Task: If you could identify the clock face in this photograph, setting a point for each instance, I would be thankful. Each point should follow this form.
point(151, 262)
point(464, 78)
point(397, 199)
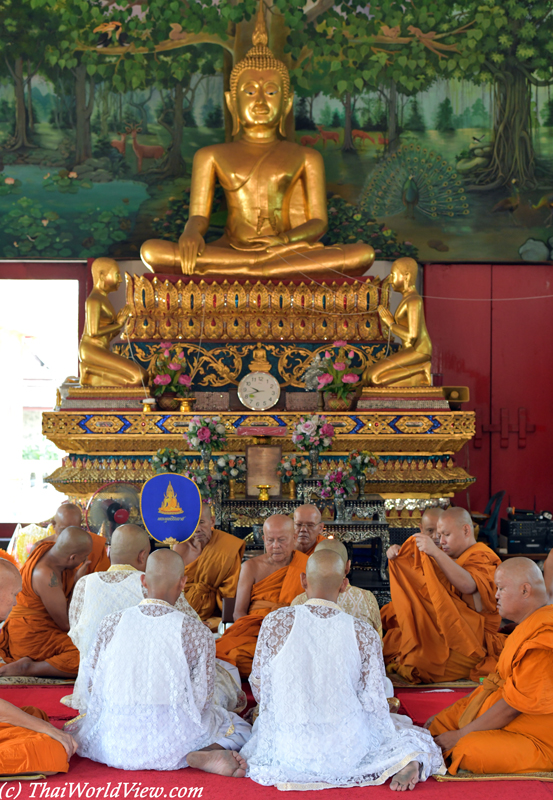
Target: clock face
point(259, 391)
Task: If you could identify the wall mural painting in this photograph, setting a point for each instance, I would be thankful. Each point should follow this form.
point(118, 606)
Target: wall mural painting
point(435, 120)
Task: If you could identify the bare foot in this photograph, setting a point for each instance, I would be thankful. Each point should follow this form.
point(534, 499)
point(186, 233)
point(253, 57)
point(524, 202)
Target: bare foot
point(19, 667)
point(220, 762)
point(406, 778)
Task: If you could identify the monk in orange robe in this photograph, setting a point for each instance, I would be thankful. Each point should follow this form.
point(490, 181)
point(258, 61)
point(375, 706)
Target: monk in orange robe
point(34, 640)
point(443, 624)
point(212, 560)
point(266, 582)
point(309, 528)
point(70, 515)
point(28, 743)
point(506, 724)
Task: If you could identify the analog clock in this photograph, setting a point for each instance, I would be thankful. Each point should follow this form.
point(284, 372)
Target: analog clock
point(258, 391)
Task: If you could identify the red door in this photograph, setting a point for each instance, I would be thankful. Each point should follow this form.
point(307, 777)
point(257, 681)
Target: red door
point(502, 349)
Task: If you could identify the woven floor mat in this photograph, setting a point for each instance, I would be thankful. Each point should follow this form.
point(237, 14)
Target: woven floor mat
point(461, 684)
point(21, 680)
point(462, 775)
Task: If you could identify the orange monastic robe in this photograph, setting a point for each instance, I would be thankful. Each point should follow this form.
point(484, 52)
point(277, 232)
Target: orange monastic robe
point(277, 590)
point(24, 751)
point(524, 679)
point(99, 559)
point(320, 538)
point(30, 630)
point(214, 574)
point(433, 633)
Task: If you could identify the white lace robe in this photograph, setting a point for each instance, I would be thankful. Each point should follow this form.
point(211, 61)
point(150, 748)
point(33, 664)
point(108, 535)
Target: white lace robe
point(102, 593)
point(318, 676)
point(149, 680)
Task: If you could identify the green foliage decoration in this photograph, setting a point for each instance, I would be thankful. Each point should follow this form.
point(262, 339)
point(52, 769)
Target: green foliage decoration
point(35, 231)
point(348, 223)
point(65, 182)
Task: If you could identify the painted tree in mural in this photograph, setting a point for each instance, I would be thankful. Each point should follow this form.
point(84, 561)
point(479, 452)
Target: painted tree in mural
point(24, 33)
point(511, 46)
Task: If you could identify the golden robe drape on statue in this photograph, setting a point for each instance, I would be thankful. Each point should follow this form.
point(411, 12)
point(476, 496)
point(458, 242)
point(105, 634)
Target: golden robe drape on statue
point(24, 751)
point(524, 679)
point(433, 633)
point(30, 630)
point(214, 574)
point(237, 645)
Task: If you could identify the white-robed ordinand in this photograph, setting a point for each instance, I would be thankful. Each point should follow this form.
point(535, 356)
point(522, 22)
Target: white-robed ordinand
point(149, 679)
point(324, 721)
point(102, 593)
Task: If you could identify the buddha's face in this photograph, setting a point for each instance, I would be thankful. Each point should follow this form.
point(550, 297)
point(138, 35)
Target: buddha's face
point(259, 98)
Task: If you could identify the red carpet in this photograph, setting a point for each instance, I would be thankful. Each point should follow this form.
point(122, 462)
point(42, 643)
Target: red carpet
point(87, 779)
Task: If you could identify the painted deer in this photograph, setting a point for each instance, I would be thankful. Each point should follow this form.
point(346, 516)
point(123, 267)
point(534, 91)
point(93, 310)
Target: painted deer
point(383, 140)
point(329, 136)
point(363, 135)
point(120, 144)
point(142, 151)
point(310, 141)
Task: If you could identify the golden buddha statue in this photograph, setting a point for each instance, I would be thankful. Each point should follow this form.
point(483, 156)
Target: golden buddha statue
point(259, 362)
point(410, 366)
point(275, 191)
point(170, 504)
point(98, 365)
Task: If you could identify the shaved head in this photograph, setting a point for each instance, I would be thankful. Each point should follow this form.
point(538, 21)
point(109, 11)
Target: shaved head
point(456, 531)
point(308, 525)
point(520, 589)
point(429, 523)
point(130, 544)
point(68, 515)
point(335, 546)
point(72, 541)
point(325, 574)
point(164, 577)
point(279, 537)
point(10, 586)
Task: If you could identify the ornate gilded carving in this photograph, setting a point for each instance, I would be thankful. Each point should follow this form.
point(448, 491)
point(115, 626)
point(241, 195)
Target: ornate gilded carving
point(189, 310)
point(219, 367)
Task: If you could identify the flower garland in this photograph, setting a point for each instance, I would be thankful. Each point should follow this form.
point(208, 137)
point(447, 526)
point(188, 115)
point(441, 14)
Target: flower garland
point(293, 469)
point(337, 482)
point(313, 433)
point(206, 433)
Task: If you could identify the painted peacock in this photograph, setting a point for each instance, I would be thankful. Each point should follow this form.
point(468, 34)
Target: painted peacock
point(414, 177)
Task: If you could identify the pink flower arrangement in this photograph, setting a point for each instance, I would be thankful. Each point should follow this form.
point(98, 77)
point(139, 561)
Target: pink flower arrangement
point(313, 433)
point(339, 376)
point(338, 482)
point(206, 433)
point(169, 372)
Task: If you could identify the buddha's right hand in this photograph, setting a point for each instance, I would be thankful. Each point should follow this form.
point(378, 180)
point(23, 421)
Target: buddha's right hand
point(191, 245)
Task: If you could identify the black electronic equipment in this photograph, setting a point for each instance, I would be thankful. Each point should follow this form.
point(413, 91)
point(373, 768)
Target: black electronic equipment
point(527, 534)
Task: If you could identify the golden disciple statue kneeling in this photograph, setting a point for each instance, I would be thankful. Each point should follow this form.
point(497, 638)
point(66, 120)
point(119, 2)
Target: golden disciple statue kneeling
point(275, 191)
point(98, 365)
point(410, 366)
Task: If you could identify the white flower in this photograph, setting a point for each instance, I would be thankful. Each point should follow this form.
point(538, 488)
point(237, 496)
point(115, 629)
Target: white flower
point(304, 471)
point(220, 428)
point(327, 441)
point(234, 472)
point(216, 419)
point(194, 441)
point(221, 462)
point(308, 427)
